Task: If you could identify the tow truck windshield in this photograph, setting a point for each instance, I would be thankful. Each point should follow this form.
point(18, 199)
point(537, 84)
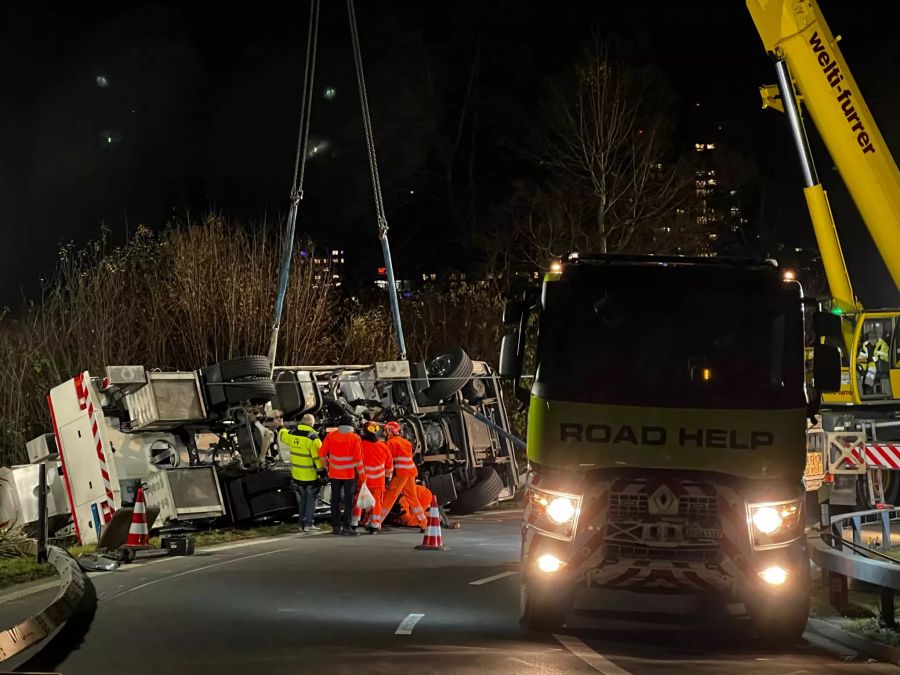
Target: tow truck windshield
point(685, 338)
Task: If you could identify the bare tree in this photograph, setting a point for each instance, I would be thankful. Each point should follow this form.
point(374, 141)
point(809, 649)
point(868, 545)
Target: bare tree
point(612, 182)
point(611, 141)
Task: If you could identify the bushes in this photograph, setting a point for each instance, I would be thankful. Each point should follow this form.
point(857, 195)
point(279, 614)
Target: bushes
point(190, 296)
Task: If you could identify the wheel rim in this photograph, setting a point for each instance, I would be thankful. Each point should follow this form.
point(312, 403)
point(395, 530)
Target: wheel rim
point(440, 367)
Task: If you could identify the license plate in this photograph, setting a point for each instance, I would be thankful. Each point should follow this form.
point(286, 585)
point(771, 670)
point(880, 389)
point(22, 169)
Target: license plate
point(702, 533)
point(815, 465)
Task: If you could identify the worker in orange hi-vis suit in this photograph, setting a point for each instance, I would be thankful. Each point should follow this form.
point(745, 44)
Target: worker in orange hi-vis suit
point(341, 452)
point(379, 465)
point(405, 517)
point(405, 472)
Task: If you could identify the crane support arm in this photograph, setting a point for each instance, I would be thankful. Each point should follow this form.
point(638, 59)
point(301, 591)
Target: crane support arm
point(796, 31)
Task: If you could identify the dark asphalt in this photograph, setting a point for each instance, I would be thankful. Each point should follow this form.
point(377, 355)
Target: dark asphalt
point(333, 604)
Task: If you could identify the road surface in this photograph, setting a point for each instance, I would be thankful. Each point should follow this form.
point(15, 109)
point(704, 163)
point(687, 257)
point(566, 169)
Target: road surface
point(374, 604)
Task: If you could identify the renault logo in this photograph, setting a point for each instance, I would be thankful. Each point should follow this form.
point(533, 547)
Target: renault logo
point(663, 502)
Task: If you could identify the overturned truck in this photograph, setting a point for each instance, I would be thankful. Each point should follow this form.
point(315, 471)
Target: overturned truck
point(202, 443)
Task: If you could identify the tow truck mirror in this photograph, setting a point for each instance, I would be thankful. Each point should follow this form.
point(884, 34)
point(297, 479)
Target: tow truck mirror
point(827, 325)
point(513, 311)
point(510, 359)
point(826, 369)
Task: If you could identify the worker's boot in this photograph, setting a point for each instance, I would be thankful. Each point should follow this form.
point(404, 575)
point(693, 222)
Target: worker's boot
point(372, 530)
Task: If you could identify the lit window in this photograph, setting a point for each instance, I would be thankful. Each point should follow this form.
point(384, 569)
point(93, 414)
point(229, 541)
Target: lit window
point(335, 253)
point(710, 146)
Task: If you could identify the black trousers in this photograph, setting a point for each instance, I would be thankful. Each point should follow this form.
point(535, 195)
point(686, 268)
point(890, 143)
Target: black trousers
point(345, 487)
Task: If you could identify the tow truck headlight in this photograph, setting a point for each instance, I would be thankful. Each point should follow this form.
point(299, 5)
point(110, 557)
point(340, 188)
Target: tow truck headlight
point(561, 510)
point(549, 564)
point(776, 523)
point(774, 575)
point(553, 513)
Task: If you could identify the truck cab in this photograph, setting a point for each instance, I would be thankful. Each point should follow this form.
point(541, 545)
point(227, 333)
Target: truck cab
point(665, 440)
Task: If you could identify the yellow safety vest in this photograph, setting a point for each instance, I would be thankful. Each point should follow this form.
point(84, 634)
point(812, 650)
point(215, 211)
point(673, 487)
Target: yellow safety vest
point(304, 444)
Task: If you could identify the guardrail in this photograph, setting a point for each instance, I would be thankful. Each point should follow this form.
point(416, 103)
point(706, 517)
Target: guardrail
point(76, 595)
point(842, 559)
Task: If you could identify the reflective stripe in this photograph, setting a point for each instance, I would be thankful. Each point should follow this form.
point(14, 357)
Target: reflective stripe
point(301, 456)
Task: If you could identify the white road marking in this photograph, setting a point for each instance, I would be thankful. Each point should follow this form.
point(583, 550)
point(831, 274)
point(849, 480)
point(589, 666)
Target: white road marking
point(406, 626)
point(589, 656)
point(487, 580)
point(196, 569)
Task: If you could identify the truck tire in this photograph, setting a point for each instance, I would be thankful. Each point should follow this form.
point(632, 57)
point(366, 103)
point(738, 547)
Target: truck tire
point(474, 391)
point(245, 366)
point(452, 370)
point(485, 491)
point(257, 391)
point(787, 628)
point(541, 611)
point(267, 481)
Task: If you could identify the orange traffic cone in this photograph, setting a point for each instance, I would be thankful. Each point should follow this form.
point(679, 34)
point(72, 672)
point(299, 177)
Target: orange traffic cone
point(432, 540)
point(139, 533)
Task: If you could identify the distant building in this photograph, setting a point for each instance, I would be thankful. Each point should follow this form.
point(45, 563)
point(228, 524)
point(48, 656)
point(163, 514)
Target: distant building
point(330, 268)
point(717, 205)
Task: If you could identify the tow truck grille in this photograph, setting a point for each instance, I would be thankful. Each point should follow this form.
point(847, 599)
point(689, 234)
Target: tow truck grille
point(681, 554)
point(645, 524)
point(628, 506)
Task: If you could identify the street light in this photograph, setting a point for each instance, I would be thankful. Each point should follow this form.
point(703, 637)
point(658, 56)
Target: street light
point(789, 275)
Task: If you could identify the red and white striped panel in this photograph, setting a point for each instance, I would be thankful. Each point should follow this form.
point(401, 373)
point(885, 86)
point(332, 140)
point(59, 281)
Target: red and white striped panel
point(85, 403)
point(883, 455)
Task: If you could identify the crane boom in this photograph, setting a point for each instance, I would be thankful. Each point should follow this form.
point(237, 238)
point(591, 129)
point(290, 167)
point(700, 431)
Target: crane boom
point(796, 31)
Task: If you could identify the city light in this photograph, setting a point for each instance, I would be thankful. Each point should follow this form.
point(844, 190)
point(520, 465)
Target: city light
point(556, 266)
point(789, 275)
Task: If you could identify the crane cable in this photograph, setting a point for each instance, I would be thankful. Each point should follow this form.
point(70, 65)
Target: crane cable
point(376, 181)
point(296, 195)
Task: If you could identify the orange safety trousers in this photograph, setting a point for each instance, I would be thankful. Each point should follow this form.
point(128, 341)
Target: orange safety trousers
point(405, 485)
point(372, 517)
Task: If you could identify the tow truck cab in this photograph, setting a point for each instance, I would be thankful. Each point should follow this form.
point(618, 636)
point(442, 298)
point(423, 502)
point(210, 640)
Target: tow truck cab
point(665, 441)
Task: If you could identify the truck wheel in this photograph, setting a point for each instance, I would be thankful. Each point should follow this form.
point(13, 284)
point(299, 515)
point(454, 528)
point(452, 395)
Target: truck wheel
point(451, 372)
point(786, 628)
point(256, 391)
point(474, 391)
point(541, 611)
point(245, 366)
point(485, 491)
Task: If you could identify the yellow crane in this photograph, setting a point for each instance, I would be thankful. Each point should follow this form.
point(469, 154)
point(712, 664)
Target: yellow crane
point(811, 70)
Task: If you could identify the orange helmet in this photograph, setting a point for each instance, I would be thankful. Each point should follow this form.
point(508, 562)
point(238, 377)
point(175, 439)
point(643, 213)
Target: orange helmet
point(392, 428)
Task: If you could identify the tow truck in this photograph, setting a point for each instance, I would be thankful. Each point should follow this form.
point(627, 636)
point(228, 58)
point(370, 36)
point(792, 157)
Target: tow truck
point(665, 442)
point(854, 448)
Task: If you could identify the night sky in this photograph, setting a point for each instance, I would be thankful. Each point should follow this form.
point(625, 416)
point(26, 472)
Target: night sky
point(138, 112)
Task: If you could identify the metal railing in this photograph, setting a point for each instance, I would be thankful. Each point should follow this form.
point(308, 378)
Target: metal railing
point(841, 559)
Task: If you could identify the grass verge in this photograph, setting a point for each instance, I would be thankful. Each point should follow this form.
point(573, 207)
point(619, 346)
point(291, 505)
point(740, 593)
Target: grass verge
point(20, 570)
point(861, 616)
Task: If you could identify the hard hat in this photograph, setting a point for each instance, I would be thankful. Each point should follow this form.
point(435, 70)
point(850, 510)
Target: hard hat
point(392, 427)
point(372, 427)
